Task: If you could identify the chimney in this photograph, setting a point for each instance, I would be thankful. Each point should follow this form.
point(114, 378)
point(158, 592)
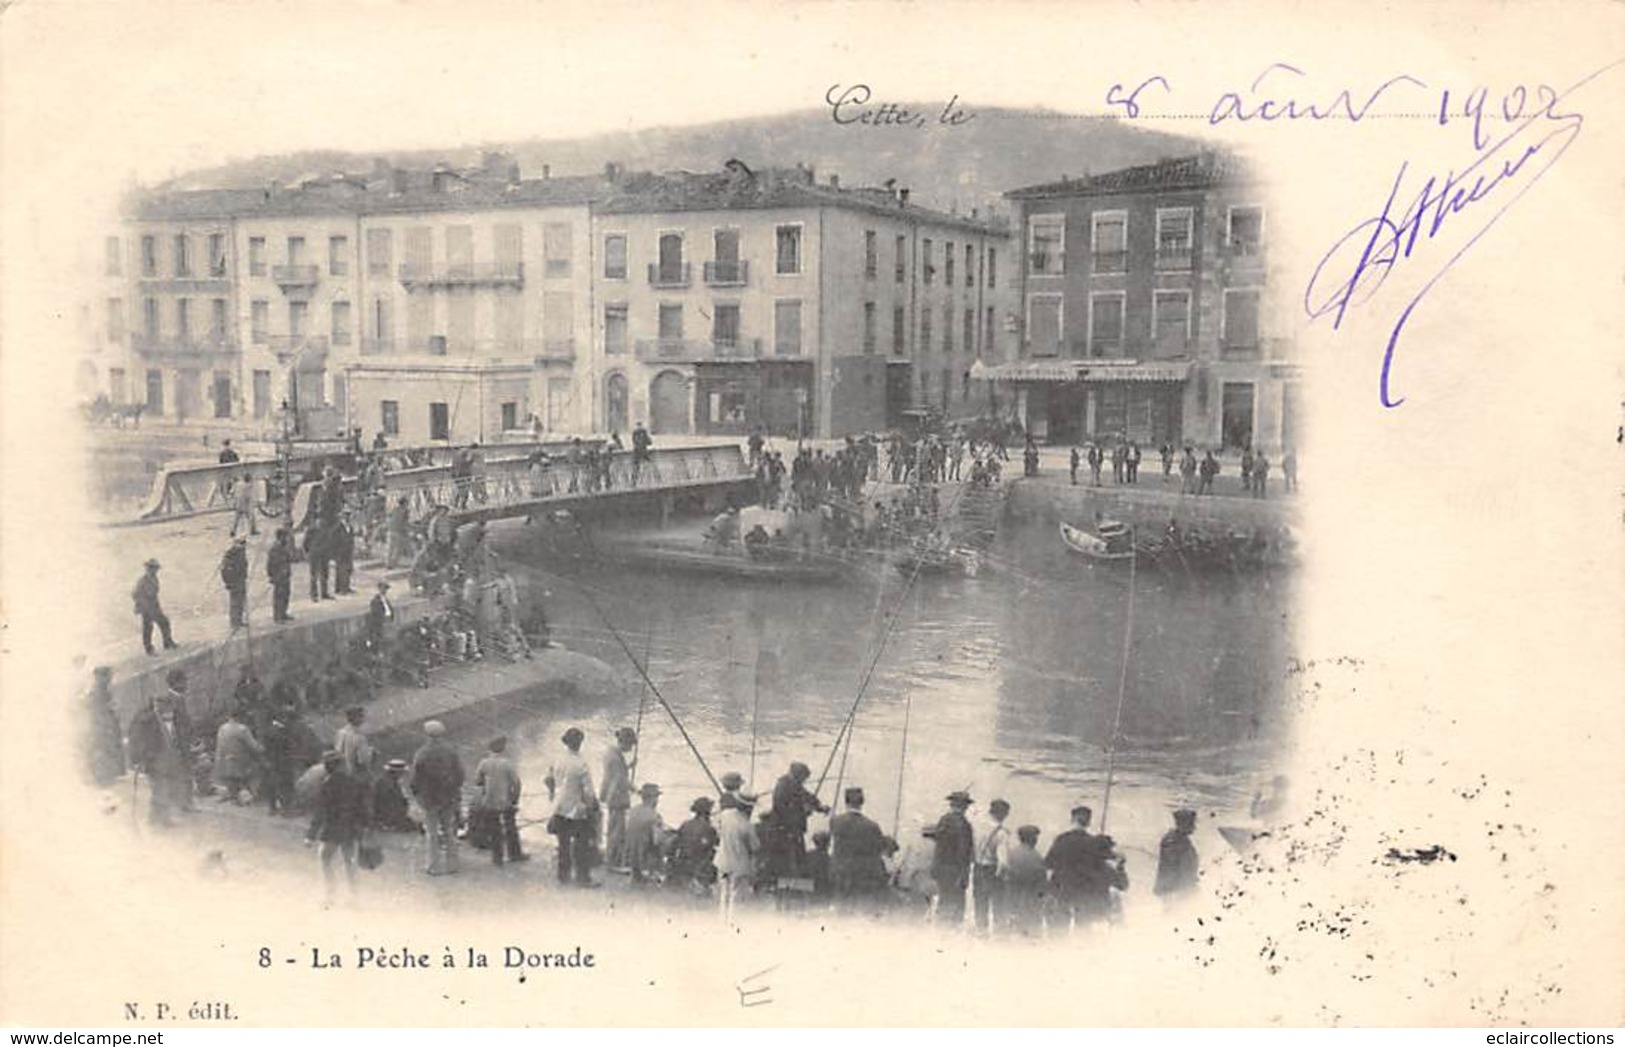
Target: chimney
point(612, 172)
point(547, 171)
point(902, 198)
point(834, 181)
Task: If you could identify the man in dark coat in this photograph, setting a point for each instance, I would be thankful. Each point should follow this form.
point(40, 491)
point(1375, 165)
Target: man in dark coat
point(858, 850)
point(950, 864)
point(227, 455)
point(160, 747)
point(1177, 862)
point(234, 576)
point(437, 782)
point(1083, 870)
point(104, 742)
point(319, 559)
point(692, 864)
point(279, 569)
point(341, 547)
point(380, 612)
point(390, 810)
point(339, 820)
point(145, 597)
point(792, 804)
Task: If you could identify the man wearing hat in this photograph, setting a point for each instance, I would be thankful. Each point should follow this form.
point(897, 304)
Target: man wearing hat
point(389, 807)
point(1177, 862)
point(160, 741)
point(951, 861)
point(731, 782)
point(575, 807)
point(145, 596)
point(645, 834)
point(437, 782)
point(992, 849)
point(339, 820)
point(234, 576)
point(792, 804)
point(380, 612)
point(737, 848)
point(498, 782)
point(858, 850)
point(616, 794)
point(1083, 870)
point(694, 850)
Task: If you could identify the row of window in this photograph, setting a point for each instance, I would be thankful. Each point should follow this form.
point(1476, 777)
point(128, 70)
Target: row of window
point(1108, 239)
point(1170, 322)
point(725, 326)
point(670, 269)
point(182, 260)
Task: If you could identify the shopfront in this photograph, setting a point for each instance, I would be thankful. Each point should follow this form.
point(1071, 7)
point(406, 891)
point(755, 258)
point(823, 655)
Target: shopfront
point(1069, 401)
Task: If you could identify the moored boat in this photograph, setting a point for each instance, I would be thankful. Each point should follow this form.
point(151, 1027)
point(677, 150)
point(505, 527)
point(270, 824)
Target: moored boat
point(1113, 542)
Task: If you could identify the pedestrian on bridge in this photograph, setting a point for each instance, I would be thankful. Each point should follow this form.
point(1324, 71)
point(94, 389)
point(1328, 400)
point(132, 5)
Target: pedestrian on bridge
point(145, 596)
point(234, 575)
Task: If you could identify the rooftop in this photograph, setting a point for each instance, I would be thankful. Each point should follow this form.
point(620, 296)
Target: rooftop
point(1201, 171)
point(496, 184)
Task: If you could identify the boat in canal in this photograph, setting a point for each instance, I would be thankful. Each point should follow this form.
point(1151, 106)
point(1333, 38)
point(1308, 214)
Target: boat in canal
point(1111, 542)
point(774, 566)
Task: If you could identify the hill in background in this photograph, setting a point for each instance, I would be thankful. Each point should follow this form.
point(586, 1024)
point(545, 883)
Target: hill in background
point(951, 168)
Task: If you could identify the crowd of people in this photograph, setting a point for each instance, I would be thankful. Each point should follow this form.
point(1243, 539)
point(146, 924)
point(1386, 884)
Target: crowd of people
point(731, 849)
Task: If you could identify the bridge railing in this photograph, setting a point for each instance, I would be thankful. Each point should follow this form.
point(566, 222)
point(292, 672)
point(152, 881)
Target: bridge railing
point(188, 489)
point(509, 485)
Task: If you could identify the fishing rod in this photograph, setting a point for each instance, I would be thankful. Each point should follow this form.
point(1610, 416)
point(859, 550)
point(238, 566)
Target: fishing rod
point(1122, 689)
point(902, 755)
point(869, 673)
point(643, 701)
point(627, 650)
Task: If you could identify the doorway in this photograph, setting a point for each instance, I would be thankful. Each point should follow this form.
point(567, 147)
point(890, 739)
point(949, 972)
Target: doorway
point(668, 403)
point(1237, 416)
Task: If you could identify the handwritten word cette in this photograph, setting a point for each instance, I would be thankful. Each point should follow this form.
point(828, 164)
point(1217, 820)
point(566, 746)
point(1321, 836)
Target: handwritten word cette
point(1426, 206)
point(850, 106)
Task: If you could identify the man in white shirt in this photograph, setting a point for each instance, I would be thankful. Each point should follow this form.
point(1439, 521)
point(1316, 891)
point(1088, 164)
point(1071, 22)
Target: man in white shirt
point(992, 853)
point(575, 806)
point(736, 851)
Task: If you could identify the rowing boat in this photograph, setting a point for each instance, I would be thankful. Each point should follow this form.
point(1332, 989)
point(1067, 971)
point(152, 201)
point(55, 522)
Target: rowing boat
point(1114, 543)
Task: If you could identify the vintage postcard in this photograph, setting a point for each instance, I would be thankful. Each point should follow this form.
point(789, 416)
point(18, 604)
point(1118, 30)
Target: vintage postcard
point(789, 514)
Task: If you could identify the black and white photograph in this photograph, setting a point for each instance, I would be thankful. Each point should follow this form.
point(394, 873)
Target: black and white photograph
point(790, 514)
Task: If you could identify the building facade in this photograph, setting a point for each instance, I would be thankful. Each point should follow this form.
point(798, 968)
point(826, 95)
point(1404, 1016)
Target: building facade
point(459, 304)
point(742, 300)
point(1144, 310)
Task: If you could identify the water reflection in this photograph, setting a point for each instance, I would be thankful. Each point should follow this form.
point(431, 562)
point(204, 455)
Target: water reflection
point(1008, 682)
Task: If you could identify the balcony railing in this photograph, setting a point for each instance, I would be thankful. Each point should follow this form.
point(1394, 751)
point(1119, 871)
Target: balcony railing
point(1109, 261)
point(669, 275)
point(287, 276)
point(678, 350)
point(1046, 263)
point(1174, 258)
point(463, 274)
point(1243, 348)
point(1105, 348)
point(727, 274)
point(182, 345)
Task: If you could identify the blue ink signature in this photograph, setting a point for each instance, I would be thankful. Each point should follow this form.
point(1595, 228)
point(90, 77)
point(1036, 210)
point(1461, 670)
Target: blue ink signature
point(1519, 158)
point(1342, 106)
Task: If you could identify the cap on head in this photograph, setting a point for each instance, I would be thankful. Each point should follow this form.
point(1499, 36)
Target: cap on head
point(434, 728)
point(395, 766)
point(999, 807)
point(355, 713)
point(854, 796)
point(1185, 818)
point(499, 743)
point(959, 798)
point(800, 771)
point(1027, 834)
point(1082, 813)
point(153, 565)
point(702, 806)
point(572, 738)
point(648, 789)
point(732, 780)
point(176, 679)
point(626, 736)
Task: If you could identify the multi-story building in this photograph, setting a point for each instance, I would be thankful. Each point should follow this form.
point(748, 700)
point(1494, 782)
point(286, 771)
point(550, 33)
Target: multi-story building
point(1143, 309)
point(744, 299)
point(457, 304)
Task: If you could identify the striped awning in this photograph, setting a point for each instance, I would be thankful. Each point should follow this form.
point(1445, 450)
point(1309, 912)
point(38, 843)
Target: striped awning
point(1085, 371)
